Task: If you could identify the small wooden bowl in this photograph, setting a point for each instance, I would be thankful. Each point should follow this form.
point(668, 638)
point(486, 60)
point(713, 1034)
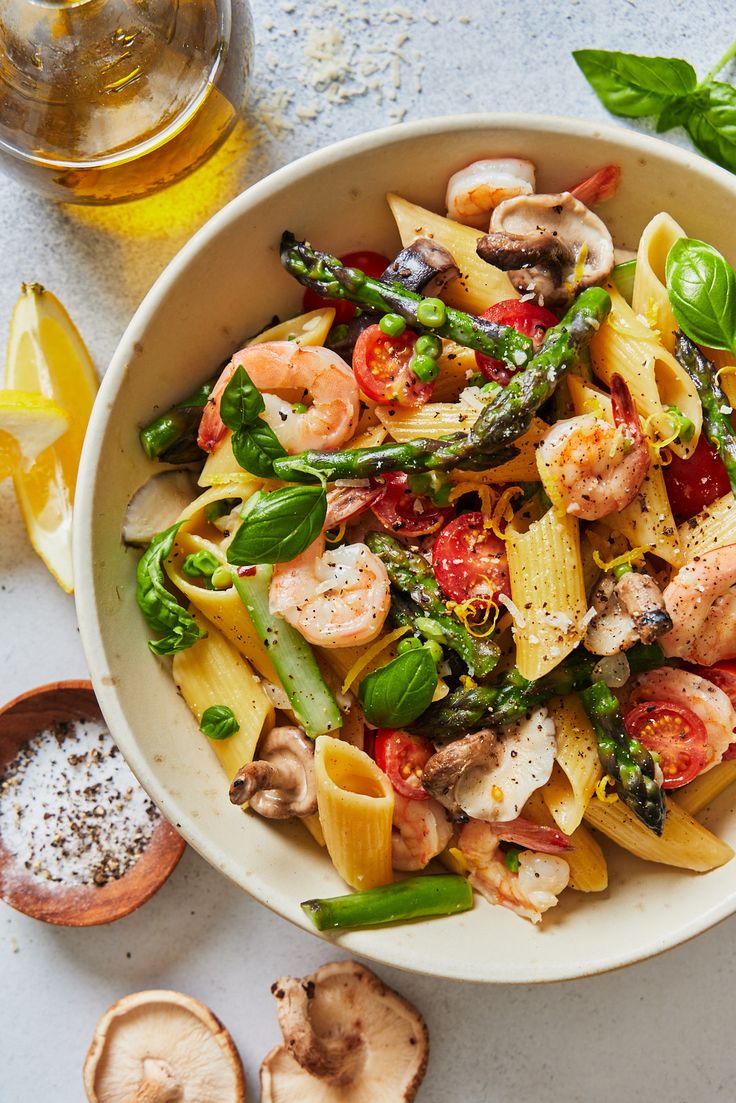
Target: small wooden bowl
point(75, 905)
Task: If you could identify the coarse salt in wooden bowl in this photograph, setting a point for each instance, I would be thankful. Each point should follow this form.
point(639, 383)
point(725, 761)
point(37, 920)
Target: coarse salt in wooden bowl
point(56, 733)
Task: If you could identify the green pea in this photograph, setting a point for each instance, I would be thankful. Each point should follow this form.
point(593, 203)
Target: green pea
point(425, 367)
point(393, 325)
point(299, 408)
point(431, 313)
point(222, 578)
point(429, 345)
point(410, 644)
point(435, 650)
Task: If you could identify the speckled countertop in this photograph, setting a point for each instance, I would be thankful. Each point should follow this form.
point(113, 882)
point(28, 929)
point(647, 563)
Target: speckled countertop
point(662, 1029)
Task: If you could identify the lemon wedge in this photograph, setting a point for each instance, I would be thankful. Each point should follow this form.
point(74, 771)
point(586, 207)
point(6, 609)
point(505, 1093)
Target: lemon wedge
point(47, 355)
point(29, 424)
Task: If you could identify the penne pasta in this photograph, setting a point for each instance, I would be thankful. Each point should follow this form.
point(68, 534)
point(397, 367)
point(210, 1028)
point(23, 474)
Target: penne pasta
point(578, 770)
point(356, 803)
point(650, 298)
point(625, 345)
point(306, 329)
point(455, 365)
point(587, 862)
point(684, 843)
point(479, 284)
point(696, 796)
point(212, 672)
point(352, 664)
point(713, 527)
point(435, 420)
point(547, 589)
point(369, 438)
point(223, 608)
point(648, 521)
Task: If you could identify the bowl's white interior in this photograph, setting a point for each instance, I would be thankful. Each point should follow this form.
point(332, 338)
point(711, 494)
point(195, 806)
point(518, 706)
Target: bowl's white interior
point(227, 283)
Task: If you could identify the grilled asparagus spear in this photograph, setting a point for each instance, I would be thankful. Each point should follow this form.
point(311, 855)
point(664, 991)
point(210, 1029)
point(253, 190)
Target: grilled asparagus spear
point(627, 760)
point(411, 575)
point(501, 423)
point(328, 276)
point(716, 407)
point(468, 710)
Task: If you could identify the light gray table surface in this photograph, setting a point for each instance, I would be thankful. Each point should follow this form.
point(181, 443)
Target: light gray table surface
point(662, 1030)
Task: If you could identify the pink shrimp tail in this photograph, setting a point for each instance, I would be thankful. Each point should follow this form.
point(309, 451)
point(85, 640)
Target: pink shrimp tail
point(534, 836)
point(212, 428)
point(624, 410)
point(599, 187)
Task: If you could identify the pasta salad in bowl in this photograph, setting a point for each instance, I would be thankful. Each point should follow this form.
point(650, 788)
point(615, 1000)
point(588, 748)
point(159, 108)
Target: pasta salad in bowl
point(435, 565)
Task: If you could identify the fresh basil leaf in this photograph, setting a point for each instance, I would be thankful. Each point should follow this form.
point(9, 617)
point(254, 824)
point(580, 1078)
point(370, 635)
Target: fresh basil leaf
point(676, 113)
point(631, 85)
point(712, 123)
point(161, 610)
point(702, 290)
point(280, 526)
point(256, 447)
point(241, 402)
point(219, 722)
point(399, 692)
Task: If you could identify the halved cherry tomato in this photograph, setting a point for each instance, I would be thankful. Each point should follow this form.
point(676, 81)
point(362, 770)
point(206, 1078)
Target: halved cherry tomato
point(405, 513)
point(694, 483)
point(402, 757)
point(723, 675)
point(526, 318)
point(381, 366)
point(677, 735)
point(373, 264)
point(469, 560)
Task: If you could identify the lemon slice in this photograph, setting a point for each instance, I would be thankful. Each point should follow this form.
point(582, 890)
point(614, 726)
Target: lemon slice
point(29, 424)
point(47, 355)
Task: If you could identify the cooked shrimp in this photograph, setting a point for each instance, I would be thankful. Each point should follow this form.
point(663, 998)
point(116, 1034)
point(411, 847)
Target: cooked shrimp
point(474, 191)
point(311, 374)
point(421, 831)
point(530, 892)
point(702, 697)
point(335, 598)
point(592, 468)
point(701, 599)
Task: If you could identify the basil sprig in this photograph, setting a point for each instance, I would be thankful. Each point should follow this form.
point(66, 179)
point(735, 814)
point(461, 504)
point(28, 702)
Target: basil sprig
point(219, 722)
point(279, 526)
point(161, 610)
point(668, 88)
point(398, 693)
point(702, 289)
point(255, 445)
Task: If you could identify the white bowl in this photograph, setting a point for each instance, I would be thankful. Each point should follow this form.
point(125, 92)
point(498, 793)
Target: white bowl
point(226, 283)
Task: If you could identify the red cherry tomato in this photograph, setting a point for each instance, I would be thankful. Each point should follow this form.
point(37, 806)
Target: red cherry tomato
point(677, 735)
point(373, 264)
point(381, 366)
point(402, 758)
point(723, 675)
point(526, 318)
point(694, 483)
point(405, 513)
point(469, 560)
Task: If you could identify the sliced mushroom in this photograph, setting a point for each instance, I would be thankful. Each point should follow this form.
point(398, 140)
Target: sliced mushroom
point(280, 784)
point(424, 266)
point(347, 1036)
point(567, 247)
point(627, 611)
point(491, 777)
point(156, 505)
point(162, 1047)
point(443, 770)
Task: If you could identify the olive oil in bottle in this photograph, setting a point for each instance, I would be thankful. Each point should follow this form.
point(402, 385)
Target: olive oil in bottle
point(107, 100)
